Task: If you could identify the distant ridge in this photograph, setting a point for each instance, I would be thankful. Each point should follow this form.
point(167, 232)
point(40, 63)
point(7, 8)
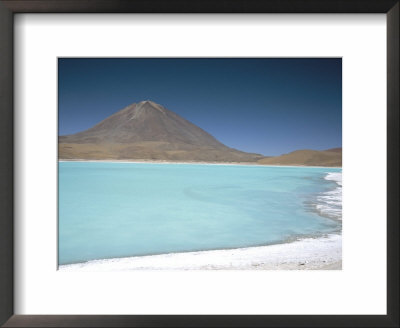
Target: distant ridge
point(335, 150)
point(307, 157)
point(147, 130)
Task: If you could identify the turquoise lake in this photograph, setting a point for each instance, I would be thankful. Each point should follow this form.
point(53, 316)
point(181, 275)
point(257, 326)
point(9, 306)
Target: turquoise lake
point(109, 210)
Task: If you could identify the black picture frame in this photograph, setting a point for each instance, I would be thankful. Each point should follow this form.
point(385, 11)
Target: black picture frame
point(10, 7)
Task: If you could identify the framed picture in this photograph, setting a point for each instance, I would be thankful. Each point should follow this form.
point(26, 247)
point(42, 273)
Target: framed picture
point(181, 164)
point(218, 207)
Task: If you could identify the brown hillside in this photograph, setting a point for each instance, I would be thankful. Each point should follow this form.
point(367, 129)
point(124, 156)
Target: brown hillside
point(306, 158)
point(335, 150)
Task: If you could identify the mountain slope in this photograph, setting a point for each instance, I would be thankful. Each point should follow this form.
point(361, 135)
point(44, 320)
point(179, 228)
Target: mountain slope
point(147, 130)
point(330, 157)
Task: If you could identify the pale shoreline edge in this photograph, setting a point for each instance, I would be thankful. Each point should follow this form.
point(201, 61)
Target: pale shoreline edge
point(323, 253)
point(193, 163)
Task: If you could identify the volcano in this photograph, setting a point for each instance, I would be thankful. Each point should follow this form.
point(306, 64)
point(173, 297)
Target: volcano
point(148, 131)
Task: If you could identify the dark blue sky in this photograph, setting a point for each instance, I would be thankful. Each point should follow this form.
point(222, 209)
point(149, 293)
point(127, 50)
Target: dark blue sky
point(263, 105)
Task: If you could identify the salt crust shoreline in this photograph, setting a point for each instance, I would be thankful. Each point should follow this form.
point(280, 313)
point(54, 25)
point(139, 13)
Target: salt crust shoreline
point(172, 162)
point(323, 253)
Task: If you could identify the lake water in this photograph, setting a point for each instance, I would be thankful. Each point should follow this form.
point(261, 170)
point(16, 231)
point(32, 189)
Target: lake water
point(109, 210)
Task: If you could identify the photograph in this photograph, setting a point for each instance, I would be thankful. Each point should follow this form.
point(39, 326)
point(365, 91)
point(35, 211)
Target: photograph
point(219, 163)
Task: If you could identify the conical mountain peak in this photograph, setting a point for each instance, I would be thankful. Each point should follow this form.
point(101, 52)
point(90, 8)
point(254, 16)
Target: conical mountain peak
point(149, 130)
point(148, 105)
point(148, 102)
